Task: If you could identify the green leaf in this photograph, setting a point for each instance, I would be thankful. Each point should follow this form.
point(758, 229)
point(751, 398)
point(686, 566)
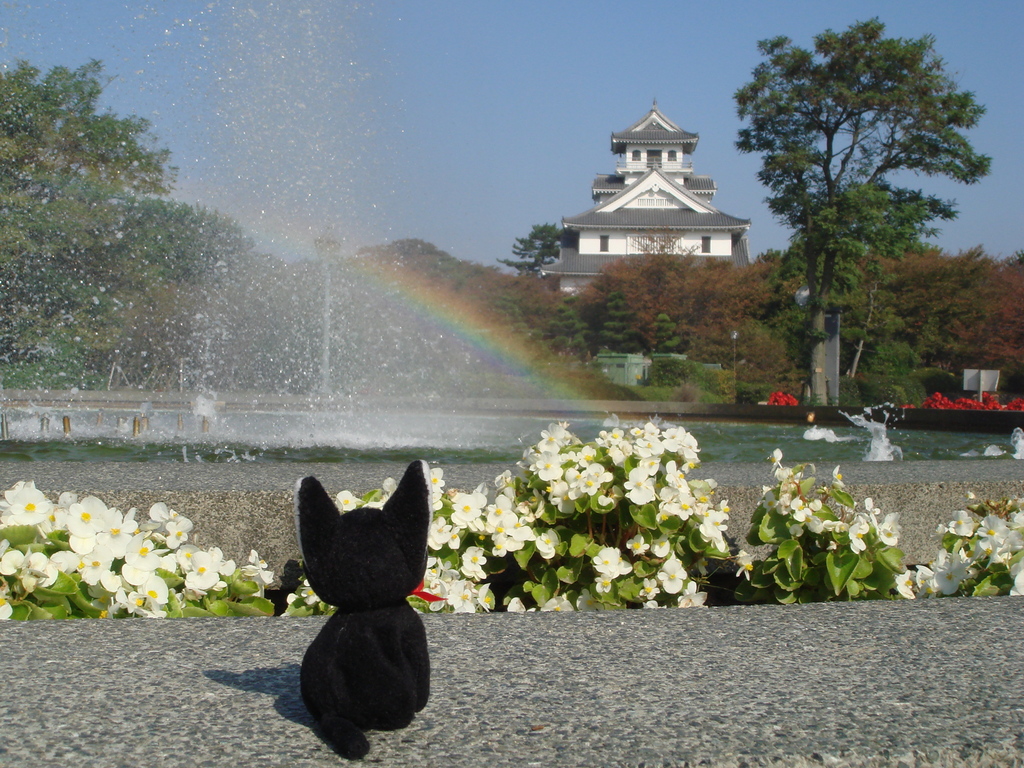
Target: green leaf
point(244, 587)
point(843, 498)
point(171, 579)
point(219, 607)
point(578, 545)
point(784, 597)
point(784, 581)
point(774, 528)
point(550, 582)
point(839, 569)
point(257, 606)
point(64, 585)
point(629, 590)
point(986, 588)
point(645, 516)
point(753, 535)
point(36, 612)
point(746, 592)
point(792, 554)
point(523, 555)
point(194, 611)
point(19, 535)
point(670, 524)
point(644, 569)
point(891, 558)
point(864, 567)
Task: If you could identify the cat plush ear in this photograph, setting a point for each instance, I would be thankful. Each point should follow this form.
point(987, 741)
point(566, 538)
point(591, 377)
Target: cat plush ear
point(367, 558)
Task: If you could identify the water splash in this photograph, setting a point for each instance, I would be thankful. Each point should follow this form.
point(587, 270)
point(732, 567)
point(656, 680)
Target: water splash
point(880, 447)
point(826, 434)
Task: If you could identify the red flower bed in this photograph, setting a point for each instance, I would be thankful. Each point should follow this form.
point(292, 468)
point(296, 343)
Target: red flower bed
point(782, 398)
point(988, 403)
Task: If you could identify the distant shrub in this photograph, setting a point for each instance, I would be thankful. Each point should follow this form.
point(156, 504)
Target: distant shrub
point(936, 380)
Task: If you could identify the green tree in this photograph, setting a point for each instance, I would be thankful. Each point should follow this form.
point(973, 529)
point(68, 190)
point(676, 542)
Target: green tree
point(833, 126)
point(52, 133)
point(536, 250)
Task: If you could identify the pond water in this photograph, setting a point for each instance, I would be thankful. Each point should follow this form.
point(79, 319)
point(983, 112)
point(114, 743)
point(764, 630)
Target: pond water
point(442, 438)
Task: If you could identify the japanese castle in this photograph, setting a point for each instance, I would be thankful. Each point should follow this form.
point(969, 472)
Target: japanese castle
point(653, 203)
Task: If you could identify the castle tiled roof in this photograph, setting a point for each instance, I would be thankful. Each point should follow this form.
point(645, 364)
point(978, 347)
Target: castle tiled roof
point(657, 218)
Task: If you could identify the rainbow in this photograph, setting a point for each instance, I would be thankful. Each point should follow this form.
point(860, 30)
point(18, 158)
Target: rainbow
point(444, 311)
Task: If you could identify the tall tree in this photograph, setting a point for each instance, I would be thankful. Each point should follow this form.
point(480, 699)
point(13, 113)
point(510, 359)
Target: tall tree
point(536, 250)
point(833, 126)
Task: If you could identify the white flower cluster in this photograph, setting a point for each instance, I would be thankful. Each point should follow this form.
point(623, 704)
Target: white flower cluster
point(976, 547)
point(81, 557)
point(640, 472)
point(789, 498)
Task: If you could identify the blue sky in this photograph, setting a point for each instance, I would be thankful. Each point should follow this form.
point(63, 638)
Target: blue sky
point(464, 123)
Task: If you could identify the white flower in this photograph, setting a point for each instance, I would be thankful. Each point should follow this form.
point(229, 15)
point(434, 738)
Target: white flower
point(473, 560)
point(467, 508)
point(950, 570)
point(515, 605)
point(861, 527)
point(745, 563)
point(691, 598)
point(637, 545)
point(117, 531)
point(257, 570)
point(485, 598)
point(714, 525)
point(639, 488)
point(962, 524)
point(672, 576)
point(546, 544)
point(661, 546)
point(609, 562)
point(436, 488)
point(461, 597)
point(96, 564)
point(548, 466)
point(650, 589)
point(176, 532)
point(587, 602)
point(439, 534)
point(205, 573)
point(24, 505)
point(1017, 571)
point(557, 603)
point(905, 584)
point(346, 501)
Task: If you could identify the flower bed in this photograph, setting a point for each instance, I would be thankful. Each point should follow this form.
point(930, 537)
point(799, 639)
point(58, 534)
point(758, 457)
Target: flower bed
point(987, 403)
point(83, 559)
point(621, 522)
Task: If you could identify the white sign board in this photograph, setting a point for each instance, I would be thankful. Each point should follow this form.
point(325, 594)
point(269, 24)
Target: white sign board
point(980, 380)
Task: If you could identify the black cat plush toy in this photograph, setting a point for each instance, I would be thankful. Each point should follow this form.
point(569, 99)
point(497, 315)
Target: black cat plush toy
point(368, 668)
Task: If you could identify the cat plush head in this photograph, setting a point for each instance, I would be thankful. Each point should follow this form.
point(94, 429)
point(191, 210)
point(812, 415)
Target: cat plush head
point(367, 558)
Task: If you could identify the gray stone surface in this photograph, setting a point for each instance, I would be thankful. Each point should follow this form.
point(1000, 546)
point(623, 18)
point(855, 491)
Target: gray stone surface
point(907, 684)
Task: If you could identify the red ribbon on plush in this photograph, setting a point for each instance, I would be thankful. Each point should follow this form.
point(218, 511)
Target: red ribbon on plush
point(421, 593)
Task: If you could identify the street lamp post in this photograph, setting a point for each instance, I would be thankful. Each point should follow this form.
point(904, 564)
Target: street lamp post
point(734, 335)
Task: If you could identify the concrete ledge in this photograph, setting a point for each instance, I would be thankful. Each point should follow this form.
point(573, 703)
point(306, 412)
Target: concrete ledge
point(911, 684)
point(239, 507)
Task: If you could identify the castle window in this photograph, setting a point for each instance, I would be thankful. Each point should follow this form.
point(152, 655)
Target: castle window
point(705, 244)
point(671, 155)
point(604, 243)
point(636, 155)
